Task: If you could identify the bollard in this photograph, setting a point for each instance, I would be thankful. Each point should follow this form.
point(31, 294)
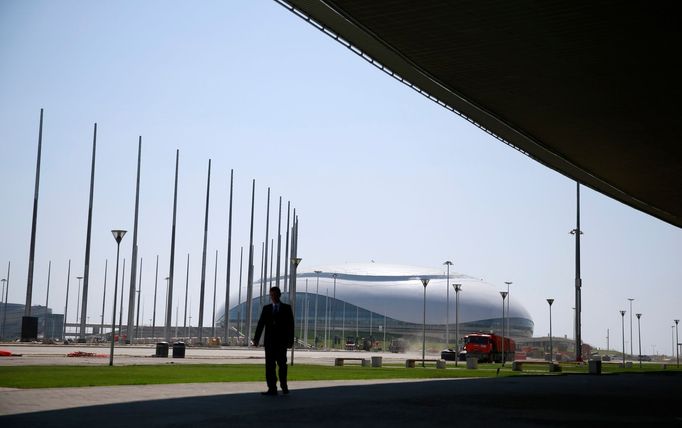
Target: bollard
point(376, 361)
point(472, 362)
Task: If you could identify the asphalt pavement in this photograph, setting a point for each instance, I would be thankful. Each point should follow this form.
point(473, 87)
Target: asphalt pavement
point(643, 400)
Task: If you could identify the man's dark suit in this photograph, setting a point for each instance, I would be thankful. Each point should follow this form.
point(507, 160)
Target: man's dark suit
point(279, 335)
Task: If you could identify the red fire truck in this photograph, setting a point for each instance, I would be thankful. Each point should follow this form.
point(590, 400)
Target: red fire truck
point(487, 347)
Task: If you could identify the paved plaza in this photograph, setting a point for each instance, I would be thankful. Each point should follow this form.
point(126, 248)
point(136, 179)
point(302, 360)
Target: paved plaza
point(35, 354)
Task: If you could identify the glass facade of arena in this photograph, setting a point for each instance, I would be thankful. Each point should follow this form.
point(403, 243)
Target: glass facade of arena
point(341, 319)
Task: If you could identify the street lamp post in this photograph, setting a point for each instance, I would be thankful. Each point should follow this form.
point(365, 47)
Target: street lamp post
point(384, 329)
point(215, 286)
point(631, 353)
point(622, 316)
point(326, 318)
point(447, 263)
point(4, 280)
point(104, 296)
point(120, 314)
point(357, 323)
point(189, 325)
point(184, 322)
point(672, 332)
point(551, 348)
point(78, 301)
point(333, 313)
point(4, 308)
point(317, 295)
point(639, 333)
point(508, 300)
point(578, 281)
point(504, 296)
point(677, 342)
point(425, 282)
point(66, 303)
point(343, 326)
point(4, 312)
point(47, 299)
point(156, 283)
point(458, 288)
point(170, 310)
point(295, 261)
point(118, 236)
point(304, 328)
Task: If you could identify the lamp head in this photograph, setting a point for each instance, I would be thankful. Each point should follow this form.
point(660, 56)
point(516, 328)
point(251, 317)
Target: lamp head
point(508, 282)
point(448, 263)
point(622, 313)
point(550, 301)
point(638, 315)
point(676, 322)
point(118, 235)
point(318, 271)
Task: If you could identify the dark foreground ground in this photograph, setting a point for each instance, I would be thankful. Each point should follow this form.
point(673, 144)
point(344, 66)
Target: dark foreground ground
point(644, 400)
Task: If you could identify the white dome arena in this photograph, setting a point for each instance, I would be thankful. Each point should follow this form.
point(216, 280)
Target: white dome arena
point(368, 292)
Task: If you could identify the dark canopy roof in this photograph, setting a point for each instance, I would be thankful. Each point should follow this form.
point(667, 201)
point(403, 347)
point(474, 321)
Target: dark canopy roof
point(590, 89)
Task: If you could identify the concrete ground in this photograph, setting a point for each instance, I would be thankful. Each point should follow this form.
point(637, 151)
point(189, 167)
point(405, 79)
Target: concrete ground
point(577, 400)
point(38, 354)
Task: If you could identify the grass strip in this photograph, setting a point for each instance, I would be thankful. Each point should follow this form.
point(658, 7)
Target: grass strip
point(80, 376)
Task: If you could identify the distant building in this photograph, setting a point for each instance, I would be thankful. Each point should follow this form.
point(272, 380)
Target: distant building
point(372, 297)
point(50, 326)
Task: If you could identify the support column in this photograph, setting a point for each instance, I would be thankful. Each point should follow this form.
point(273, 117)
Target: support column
point(171, 269)
point(29, 324)
point(203, 259)
point(133, 263)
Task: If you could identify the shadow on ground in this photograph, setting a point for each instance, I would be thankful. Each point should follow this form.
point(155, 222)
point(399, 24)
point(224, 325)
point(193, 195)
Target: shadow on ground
point(580, 400)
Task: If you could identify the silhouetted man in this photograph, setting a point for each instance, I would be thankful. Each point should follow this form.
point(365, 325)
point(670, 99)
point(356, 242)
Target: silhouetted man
point(278, 321)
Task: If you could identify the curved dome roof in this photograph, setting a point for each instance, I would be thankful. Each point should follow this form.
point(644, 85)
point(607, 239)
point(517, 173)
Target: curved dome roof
point(397, 291)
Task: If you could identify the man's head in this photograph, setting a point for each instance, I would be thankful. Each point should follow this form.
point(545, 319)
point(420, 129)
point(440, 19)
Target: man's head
point(275, 294)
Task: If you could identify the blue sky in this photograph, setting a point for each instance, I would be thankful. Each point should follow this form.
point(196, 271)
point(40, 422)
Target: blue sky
point(375, 170)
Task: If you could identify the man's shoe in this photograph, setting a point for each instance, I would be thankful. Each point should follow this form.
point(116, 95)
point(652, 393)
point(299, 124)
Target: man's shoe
point(285, 391)
point(269, 392)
